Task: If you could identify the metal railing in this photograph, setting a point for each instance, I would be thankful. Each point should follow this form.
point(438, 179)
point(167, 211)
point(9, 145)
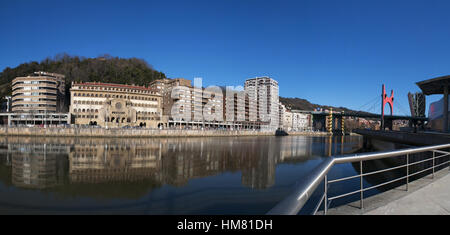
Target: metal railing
point(295, 201)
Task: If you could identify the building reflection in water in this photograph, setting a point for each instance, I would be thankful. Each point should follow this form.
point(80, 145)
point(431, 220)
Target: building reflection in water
point(49, 162)
point(37, 165)
point(89, 163)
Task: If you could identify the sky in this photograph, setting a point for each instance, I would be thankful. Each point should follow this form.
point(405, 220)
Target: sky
point(329, 52)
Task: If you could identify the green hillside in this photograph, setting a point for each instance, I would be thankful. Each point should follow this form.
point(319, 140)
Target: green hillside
point(101, 69)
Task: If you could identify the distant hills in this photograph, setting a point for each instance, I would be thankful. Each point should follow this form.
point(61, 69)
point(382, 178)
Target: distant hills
point(302, 104)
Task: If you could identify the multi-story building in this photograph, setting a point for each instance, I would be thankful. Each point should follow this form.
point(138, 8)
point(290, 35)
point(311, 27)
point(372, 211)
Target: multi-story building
point(115, 105)
point(281, 113)
point(164, 87)
point(287, 120)
point(297, 120)
point(255, 107)
point(237, 110)
point(301, 121)
point(40, 92)
point(194, 106)
point(263, 101)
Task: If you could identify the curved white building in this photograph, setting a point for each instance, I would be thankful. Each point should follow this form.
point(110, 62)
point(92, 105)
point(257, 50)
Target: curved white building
point(40, 92)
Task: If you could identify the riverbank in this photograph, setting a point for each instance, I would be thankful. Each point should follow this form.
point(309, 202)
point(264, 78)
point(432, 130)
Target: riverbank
point(308, 133)
point(129, 133)
point(420, 138)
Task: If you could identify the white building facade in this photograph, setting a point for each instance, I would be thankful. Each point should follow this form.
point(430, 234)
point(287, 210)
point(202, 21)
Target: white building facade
point(296, 120)
point(287, 120)
point(281, 112)
point(301, 121)
point(263, 101)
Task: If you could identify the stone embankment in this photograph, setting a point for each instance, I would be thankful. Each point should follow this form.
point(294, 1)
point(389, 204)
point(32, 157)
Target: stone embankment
point(120, 132)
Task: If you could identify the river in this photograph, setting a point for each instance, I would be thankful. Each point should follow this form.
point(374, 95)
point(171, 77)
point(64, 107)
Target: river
point(217, 175)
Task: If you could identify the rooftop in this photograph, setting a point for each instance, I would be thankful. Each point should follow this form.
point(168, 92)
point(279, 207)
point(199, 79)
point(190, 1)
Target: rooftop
point(43, 74)
point(435, 85)
point(115, 85)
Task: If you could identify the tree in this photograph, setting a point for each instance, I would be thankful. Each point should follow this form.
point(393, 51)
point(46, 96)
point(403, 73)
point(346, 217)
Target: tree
point(106, 69)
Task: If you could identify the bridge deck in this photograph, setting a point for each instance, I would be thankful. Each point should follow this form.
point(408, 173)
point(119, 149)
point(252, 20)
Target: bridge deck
point(426, 196)
point(371, 115)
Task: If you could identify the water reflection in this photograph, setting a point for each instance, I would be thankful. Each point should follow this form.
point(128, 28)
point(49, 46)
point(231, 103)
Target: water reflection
point(48, 162)
point(37, 165)
point(157, 175)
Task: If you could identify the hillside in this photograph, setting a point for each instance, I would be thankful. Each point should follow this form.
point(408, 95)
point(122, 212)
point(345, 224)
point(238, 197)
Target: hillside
point(302, 104)
point(101, 69)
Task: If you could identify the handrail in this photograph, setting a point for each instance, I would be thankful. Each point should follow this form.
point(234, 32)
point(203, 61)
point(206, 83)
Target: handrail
point(295, 201)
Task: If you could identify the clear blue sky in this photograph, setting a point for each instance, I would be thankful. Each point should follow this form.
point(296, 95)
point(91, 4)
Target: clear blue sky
point(329, 52)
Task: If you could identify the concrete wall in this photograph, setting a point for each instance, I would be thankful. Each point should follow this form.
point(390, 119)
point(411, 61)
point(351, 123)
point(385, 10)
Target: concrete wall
point(417, 139)
point(308, 133)
point(118, 132)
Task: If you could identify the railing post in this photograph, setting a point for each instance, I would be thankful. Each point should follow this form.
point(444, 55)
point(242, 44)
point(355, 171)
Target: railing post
point(434, 154)
point(325, 200)
point(407, 171)
point(361, 184)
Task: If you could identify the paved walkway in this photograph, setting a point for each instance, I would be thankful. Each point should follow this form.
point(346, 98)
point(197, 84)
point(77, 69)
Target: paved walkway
point(433, 199)
point(426, 196)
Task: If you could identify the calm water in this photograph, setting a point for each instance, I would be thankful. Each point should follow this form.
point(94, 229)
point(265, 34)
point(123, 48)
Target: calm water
point(221, 175)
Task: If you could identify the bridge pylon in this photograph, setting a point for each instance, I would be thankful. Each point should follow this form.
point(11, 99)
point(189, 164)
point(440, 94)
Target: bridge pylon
point(386, 100)
point(330, 122)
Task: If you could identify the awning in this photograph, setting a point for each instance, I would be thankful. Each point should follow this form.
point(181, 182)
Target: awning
point(435, 85)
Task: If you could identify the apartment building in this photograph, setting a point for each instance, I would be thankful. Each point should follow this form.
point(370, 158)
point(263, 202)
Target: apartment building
point(187, 106)
point(287, 120)
point(237, 109)
point(281, 112)
point(301, 121)
point(40, 92)
point(263, 101)
point(297, 120)
point(164, 87)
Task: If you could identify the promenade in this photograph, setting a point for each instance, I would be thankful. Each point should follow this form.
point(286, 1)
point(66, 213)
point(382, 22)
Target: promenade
point(432, 199)
point(426, 196)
